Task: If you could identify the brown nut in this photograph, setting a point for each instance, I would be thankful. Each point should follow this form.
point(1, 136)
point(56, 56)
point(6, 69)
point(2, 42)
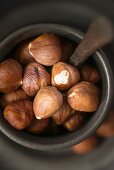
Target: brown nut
point(86, 146)
point(47, 101)
point(7, 98)
point(19, 114)
point(35, 77)
point(64, 76)
point(84, 96)
point(23, 55)
point(38, 126)
point(10, 75)
point(107, 127)
point(46, 49)
point(74, 122)
point(89, 73)
point(67, 49)
point(63, 113)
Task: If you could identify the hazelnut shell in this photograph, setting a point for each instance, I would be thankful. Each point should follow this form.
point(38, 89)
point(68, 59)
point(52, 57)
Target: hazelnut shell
point(35, 77)
point(19, 114)
point(84, 96)
point(10, 75)
point(67, 49)
point(47, 101)
point(23, 55)
point(46, 49)
point(7, 98)
point(89, 73)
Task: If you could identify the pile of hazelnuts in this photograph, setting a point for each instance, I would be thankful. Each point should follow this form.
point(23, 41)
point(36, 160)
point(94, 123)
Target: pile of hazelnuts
point(40, 88)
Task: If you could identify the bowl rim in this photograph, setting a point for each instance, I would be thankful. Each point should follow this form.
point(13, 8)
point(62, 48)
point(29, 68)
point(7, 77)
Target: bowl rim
point(41, 143)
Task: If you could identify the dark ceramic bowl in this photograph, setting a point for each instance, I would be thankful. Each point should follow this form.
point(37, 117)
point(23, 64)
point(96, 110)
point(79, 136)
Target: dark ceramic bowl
point(65, 140)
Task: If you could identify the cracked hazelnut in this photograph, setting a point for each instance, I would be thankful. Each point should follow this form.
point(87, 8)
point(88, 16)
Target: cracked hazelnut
point(107, 127)
point(10, 75)
point(89, 73)
point(64, 76)
point(74, 122)
point(46, 49)
point(19, 114)
point(48, 101)
point(63, 113)
point(7, 98)
point(38, 126)
point(86, 146)
point(23, 55)
point(84, 96)
point(35, 77)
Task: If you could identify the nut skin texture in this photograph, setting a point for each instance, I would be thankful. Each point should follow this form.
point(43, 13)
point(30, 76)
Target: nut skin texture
point(47, 101)
point(107, 128)
point(46, 49)
point(86, 146)
point(19, 114)
point(89, 73)
point(74, 122)
point(38, 126)
point(10, 75)
point(7, 98)
point(35, 77)
point(64, 76)
point(63, 113)
point(23, 55)
point(84, 97)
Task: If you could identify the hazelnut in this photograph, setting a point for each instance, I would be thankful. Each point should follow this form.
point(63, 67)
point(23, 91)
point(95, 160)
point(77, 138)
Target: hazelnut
point(38, 126)
point(10, 75)
point(23, 55)
point(64, 76)
point(107, 127)
point(84, 96)
point(7, 98)
point(74, 122)
point(35, 77)
point(47, 101)
point(86, 146)
point(67, 49)
point(46, 49)
point(89, 73)
point(19, 114)
point(63, 113)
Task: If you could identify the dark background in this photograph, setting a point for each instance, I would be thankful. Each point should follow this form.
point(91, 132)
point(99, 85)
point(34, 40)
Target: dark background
point(76, 13)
